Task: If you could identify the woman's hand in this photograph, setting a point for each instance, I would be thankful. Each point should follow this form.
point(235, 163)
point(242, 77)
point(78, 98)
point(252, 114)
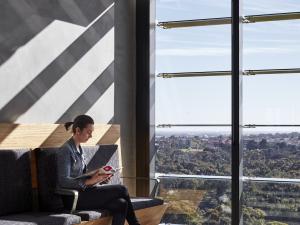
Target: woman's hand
point(97, 178)
point(107, 179)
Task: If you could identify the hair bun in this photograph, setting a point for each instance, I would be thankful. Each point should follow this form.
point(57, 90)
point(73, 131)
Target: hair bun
point(68, 124)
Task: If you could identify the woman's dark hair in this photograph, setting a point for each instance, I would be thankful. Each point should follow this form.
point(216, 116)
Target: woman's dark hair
point(80, 121)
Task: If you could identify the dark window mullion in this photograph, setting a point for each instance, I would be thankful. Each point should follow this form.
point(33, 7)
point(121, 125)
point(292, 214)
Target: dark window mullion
point(236, 96)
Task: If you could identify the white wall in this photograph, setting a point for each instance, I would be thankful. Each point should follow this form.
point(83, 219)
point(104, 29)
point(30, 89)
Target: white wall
point(52, 58)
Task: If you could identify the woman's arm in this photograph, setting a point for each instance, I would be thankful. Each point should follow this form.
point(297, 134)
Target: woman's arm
point(64, 167)
point(64, 164)
point(98, 178)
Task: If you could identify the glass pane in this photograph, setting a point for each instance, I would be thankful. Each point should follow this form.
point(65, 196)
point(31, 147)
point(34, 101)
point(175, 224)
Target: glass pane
point(196, 201)
point(193, 100)
point(270, 6)
point(272, 45)
point(168, 10)
point(271, 99)
point(271, 203)
point(272, 152)
point(196, 151)
point(204, 100)
point(193, 49)
point(201, 152)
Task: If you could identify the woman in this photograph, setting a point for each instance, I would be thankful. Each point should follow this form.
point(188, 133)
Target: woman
point(71, 164)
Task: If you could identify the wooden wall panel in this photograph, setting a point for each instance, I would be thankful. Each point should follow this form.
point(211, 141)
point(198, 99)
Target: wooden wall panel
point(13, 136)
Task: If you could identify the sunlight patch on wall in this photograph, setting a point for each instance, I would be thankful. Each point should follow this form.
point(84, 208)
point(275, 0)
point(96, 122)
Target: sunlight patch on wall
point(52, 105)
point(30, 59)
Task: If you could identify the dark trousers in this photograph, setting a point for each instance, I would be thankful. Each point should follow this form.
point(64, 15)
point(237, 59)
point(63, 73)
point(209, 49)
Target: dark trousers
point(114, 198)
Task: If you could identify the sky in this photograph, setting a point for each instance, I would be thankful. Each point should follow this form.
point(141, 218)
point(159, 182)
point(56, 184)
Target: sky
point(267, 99)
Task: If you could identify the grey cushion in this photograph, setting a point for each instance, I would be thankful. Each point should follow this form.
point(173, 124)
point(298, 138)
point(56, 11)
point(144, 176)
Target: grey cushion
point(98, 156)
point(39, 219)
point(138, 203)
point(88, 215)
point(141, 203)
point(15, 181)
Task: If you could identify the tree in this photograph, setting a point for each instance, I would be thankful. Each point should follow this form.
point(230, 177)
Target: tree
point(276, 223)
point(263, 144)
point(251, 145)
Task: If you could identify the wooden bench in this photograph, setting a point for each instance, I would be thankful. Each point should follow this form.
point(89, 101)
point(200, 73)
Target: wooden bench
point(39, 137)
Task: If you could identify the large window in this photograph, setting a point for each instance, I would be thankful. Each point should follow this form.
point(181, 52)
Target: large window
point(193, 111)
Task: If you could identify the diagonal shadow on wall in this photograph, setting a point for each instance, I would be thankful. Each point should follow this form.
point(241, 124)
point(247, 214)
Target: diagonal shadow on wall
point(54, 71)
point(76, 11)
point(88, 98)
point(6, 129)
point(21, 20)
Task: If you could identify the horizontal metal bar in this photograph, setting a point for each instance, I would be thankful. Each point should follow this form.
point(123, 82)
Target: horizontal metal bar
point(228, 73)
point(271, 180)
point(195, 23)
point(270, 125)
point(194, 74)
point(183, 176)
point(271, 71)
point(245, 179)
point(227, 20)
point(272, 17)
point(192, 125)
point(226, 125)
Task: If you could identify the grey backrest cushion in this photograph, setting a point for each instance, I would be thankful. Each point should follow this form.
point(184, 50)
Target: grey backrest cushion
point(39, 218)
point(15, 181)
point(95, 156)
point(98, 156)
point(47, 179)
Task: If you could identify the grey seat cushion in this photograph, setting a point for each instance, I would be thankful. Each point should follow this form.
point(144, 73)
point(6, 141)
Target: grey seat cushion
point(15, 181)
point(138, 203)
point(39, 219)
point(88, 215)
point(141, 203)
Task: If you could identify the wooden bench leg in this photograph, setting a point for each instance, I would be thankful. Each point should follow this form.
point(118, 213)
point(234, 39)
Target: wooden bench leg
point(102, 221)
point(152, 215)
